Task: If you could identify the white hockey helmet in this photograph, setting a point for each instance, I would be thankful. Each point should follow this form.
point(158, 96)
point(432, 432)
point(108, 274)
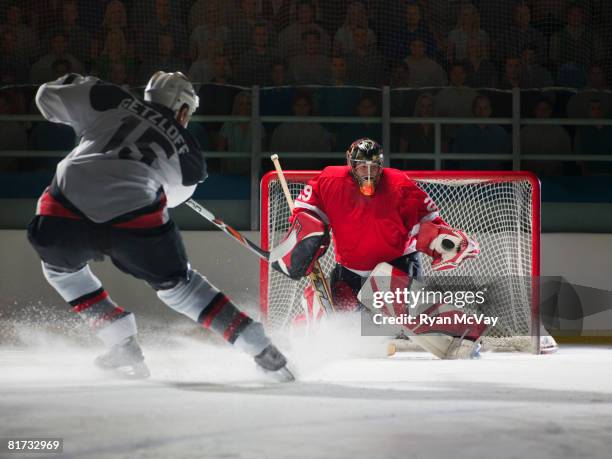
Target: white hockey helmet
point(171, 90)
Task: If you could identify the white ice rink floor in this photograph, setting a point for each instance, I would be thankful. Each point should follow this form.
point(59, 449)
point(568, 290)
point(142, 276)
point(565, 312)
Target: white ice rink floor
point(205, 400)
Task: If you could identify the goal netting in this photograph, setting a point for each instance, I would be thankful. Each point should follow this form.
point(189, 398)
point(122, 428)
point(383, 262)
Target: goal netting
point(499, 209)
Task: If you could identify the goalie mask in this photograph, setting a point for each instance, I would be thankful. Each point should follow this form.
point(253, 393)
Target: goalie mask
point(365, 158)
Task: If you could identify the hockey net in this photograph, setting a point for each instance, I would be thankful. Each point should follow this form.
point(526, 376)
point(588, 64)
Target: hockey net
point(501, 210)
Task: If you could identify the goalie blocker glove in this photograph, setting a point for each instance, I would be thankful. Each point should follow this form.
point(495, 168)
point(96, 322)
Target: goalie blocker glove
point(306, 241)
point(447, 246)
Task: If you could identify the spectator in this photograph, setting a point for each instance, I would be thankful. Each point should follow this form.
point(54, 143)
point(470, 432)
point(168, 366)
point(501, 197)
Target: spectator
point(242, 30)
point(198, 11)
point(163, 22)
point(533, 75)
point(13, 135)
point(338, 100)
point(201, 70)
point(235, 136)
point(14, 93)
point(115, 17)
point(419, 138)
point(311, 67)
point(394, 32)
point(594, 140)
point(290, 39)
point(301, 137)
point(11, 60)
point(597, 89)
point(571, 75)
point(356, 16)
point(403, 97)
point(26, 39)
point(468, 26)
point(482, 138)
point(78, 39)
point(277, 100)
point(576, 43)
point(254, 65)
point(277, 13)
point(481, 73)
point(165, 59)
point(521, 34)
point(513, 73)
point(365, 65)
point(368, 106)
point(455, 100)
point(211, 30)
point(116, 49)
point(42, 70)
point(424, 72)
point(544, 139)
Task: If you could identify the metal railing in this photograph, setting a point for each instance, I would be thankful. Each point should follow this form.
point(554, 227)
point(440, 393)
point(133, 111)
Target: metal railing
point(256, 154)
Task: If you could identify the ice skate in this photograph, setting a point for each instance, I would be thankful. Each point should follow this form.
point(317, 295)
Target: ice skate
point(274, 362)
point(125, 360)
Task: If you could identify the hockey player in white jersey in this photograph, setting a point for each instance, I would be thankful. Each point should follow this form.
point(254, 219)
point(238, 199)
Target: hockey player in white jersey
point(110, 197)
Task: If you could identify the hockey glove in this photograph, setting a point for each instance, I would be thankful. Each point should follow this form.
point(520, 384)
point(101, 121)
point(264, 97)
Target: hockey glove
point(447, 246)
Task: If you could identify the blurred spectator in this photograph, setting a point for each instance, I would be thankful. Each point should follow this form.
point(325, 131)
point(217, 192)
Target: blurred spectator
point(356, 16)
point(163, 22)
point(544, 139)
point(365, 66)
point(300, 137)
point(481, 73)
point(424, 72)
point(597, 89)
point(197, 12)
point(165, 59)
point(594, 140)
point(403, 97)
point(419, 138)
point(482, 138)
point(290, 39)
point(468, 26)
point(277, 100)
point(201, 70)
point(533, 74)
point(14, 93)
point(242, 29)
point(254, 64)
point(455, 100)
point(576, 43)
point(277, 13)
point(513, 73)
point(26, 39)
point(311, 67)
point(117, 74)
point(235, 136)
point(115, 16)
point(368, 106)
point(402, 23)
point(571, 75)
point(13, 135)
point(42, 70)
point(520, 34)
point(338, 100)
point(211, 30)
point(11, 60)
point(78, 39)
point(116, 49)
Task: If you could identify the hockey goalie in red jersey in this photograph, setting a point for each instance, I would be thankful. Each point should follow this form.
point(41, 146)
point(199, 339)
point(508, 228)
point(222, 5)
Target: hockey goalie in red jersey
point(380, 223)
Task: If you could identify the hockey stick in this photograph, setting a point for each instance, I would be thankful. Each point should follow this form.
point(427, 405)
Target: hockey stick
point(208, 215)
point(316, 277)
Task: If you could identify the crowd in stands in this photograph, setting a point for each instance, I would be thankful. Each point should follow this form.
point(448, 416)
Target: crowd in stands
point(456, 58)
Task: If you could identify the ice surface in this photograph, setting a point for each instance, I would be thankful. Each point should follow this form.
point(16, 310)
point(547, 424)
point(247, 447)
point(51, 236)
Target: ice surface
point(206, 400)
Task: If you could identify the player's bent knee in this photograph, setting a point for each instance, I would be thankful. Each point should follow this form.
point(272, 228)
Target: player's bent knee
point(189, 295)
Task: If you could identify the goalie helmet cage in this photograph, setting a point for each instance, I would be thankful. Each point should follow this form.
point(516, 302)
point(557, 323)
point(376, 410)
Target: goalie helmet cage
point(500, 209)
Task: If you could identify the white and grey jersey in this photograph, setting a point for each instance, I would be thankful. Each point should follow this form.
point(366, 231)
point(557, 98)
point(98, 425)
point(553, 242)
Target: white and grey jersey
point(129, 149)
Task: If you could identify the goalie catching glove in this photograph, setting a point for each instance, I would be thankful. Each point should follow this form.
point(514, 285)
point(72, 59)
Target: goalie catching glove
point(306, 241)
point(447, 246)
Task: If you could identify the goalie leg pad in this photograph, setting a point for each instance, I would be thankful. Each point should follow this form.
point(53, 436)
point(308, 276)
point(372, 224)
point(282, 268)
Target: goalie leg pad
point(306, 241)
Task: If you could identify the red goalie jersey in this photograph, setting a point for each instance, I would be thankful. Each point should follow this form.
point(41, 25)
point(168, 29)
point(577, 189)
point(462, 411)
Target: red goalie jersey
point(368, 230)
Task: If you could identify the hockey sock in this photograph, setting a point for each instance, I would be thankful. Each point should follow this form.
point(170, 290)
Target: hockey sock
point(84, 292)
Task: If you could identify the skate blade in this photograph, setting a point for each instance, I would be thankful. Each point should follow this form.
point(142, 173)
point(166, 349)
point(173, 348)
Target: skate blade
point(283, 375)
point(135, 372)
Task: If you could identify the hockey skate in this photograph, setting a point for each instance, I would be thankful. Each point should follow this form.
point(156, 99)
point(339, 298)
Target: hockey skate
point(124, 360)
point(271, 360)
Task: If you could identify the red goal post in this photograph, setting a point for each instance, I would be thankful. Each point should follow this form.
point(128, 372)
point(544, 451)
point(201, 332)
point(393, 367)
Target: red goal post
point(501, 209)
